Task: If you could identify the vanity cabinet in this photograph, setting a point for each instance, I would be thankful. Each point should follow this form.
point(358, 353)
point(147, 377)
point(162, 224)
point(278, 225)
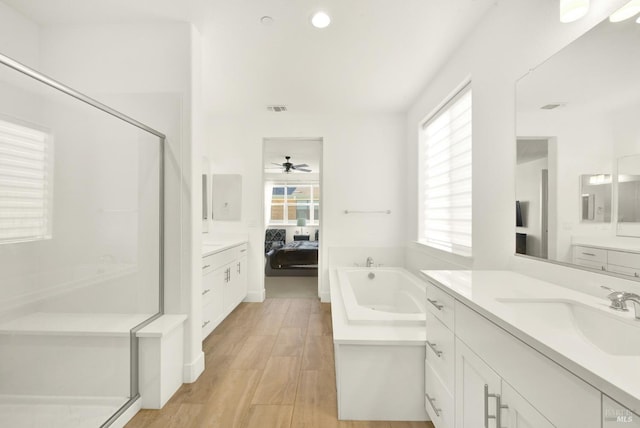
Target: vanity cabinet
point(224, 285)
point(620, 262)
point(492, 368)
point(439, 358)
point(488, 398)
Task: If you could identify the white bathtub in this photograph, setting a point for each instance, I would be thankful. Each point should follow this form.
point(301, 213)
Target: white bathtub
point(382, 296)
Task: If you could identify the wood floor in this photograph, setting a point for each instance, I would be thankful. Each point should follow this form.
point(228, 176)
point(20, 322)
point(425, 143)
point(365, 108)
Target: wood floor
point(268, 365)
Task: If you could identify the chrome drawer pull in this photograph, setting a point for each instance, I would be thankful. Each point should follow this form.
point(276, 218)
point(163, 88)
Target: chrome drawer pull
point(434, 349)
point(589, 254)
point(206, 291)
point(433, 406)
point(436, 304)
point(243, 250)
point(204, 324)
point(206, 266)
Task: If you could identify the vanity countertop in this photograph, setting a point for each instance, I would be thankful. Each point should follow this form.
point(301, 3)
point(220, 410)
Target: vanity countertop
point(489, 292)
point(614, 243)
point(213, 247)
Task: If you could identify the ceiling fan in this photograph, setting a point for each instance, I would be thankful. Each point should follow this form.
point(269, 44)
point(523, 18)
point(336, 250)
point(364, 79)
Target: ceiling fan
point(288, 167)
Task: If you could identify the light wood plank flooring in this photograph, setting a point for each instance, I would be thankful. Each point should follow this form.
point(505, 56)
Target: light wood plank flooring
point(268, 365)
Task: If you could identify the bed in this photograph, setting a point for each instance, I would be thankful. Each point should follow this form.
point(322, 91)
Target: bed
point(297, 258)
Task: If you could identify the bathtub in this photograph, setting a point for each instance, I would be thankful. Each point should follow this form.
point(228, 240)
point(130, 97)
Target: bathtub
point(382, 296)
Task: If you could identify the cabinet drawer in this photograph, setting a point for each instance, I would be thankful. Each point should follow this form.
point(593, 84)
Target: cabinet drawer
point(241, 250)
point(440, 351)
point(590, 264)
point(620, 258)
point(440, 304)
point(437, 400)
point(623, 270)
point(589, 253)
point(545, 383)
point(208, 321)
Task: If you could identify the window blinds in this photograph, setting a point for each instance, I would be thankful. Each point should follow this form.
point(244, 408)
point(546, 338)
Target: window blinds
point(445, 177)
point(25, 183)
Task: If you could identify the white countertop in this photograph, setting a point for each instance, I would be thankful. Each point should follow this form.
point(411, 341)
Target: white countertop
point(608, 243)
point(616, 375)
point(213, 247)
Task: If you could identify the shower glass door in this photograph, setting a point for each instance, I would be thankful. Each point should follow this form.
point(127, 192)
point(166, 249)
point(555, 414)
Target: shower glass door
point(80, 253)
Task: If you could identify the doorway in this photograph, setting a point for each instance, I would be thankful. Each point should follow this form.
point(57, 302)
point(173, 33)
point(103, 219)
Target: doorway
point(534, 196)
point(292, 178)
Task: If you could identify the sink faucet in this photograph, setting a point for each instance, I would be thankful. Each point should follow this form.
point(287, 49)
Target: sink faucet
point(369, 261)
point(619, 301)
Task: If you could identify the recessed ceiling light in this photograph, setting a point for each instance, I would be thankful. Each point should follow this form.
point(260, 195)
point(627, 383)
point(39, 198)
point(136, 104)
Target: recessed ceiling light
point(625, 12)
point(320, 20)
point(266, 20)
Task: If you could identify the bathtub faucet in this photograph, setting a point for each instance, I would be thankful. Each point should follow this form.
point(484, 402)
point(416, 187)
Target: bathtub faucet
point(369, 261)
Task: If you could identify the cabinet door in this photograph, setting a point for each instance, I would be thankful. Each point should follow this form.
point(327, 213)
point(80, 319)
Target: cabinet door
point(228, 293)
point(478, 390)
point(518, 413)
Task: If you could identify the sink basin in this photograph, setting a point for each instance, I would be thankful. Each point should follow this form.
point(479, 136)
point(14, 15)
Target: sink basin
point(606, 330)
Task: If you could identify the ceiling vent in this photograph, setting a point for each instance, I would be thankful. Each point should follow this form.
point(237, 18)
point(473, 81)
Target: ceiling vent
point(277, 109)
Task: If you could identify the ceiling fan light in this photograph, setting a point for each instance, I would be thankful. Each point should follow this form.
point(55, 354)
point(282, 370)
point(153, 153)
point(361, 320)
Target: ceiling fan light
point(572, 10)
point(625, 12)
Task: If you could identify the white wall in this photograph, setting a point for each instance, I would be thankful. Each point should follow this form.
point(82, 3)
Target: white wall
point(19, 37)
point(514, 37)
point(362, 169)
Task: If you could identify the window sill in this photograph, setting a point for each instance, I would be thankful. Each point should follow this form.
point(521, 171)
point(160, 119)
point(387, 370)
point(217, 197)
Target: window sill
point(459, 259)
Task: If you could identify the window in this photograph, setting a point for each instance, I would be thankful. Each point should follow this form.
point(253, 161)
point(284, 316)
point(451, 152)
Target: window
point(445, 176)
point(292, 202)
point(25, 183)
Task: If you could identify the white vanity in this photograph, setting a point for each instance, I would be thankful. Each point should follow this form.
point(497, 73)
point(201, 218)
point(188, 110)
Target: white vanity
point(508, 350)
point(615, 257)
point(224, 281)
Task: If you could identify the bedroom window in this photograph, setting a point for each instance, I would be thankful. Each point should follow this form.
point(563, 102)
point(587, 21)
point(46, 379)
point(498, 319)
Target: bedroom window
point(25, 183)
point(445, 176)
point(292, 202)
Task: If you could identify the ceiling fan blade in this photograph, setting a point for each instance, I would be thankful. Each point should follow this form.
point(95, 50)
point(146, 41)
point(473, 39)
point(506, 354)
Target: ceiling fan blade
point(302, 169)
point(279, 164)
point(302, 165)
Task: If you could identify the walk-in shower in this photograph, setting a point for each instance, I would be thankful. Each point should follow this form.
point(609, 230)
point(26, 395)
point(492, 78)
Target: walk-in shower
point(81, 264)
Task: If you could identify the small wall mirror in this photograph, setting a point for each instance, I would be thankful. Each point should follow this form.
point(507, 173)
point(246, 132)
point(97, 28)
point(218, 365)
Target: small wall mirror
point(595, 198)
point(227, 197)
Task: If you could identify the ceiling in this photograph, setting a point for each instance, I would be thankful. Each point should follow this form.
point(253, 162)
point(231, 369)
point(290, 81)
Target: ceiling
point(376, 56)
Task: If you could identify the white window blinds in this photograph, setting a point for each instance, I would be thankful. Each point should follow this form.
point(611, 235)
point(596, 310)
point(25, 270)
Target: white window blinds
point(445, 177)
point(25, 183)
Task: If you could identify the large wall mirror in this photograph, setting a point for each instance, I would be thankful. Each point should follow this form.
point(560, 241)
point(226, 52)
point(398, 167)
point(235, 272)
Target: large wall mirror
point(578, 153)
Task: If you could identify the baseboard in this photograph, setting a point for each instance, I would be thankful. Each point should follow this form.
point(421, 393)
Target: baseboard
point(127, 415)
point(193, 370)
point(325, 297)
point(255, 296)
